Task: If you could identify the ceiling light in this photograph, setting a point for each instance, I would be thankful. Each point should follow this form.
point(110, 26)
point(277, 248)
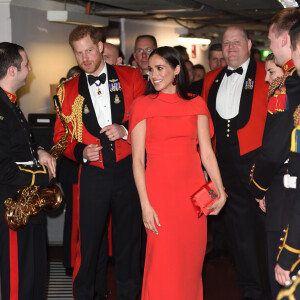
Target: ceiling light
point(193, 40)
point(64, 16)
point(288, 3)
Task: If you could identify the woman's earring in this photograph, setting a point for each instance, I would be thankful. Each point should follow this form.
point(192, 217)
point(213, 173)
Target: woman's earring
point(175, 80)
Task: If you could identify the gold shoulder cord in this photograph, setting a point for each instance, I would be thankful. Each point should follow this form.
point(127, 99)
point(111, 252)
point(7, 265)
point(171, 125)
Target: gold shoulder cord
point(75, 118)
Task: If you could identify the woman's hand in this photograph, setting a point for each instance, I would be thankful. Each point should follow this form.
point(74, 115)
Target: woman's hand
point(150, 218)
point(218, 204)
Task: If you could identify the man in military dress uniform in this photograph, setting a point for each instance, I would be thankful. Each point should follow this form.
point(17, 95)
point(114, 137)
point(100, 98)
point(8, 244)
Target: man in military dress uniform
point(23, 259)
point(288, 258)
point(237, 99)
point(266, 182)
point(96, 107)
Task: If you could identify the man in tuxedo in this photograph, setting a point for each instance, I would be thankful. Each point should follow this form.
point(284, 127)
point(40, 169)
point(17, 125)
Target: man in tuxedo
point(143, 46)
point(237, 99)
point(266, 182)
point(23, 253)
point(96, 107)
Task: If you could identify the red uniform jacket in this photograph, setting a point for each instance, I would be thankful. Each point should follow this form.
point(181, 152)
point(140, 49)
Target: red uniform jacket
point(253, 105)
point(125, 84)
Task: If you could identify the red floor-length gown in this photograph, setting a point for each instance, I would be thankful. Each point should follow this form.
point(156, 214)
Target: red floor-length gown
point(174, 257)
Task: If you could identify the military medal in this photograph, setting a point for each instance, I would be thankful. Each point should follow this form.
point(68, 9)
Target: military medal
point(114, 85)
point(249, 84)
point(117, 99)
point(98, 86)
point(86, 110)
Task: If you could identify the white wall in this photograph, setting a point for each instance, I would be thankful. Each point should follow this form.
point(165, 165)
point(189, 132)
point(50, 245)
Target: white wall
point(5, 21)
point(49, 54)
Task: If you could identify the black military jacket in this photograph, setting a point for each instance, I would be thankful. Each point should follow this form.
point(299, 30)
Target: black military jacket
point(16, 146)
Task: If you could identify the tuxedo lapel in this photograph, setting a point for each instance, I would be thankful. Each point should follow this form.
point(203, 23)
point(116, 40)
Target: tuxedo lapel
point(116, 95)
point(89, 117)
point(247, 95)
point(212, 95)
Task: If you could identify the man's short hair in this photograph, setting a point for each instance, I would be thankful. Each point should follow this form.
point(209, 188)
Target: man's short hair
point(214, 47)
point(9, 56)
point(147, 36)
point(295, 35)
point(199, 66)
point(82, 31)
point(284, 20)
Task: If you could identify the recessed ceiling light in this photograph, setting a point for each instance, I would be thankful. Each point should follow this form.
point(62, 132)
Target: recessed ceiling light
point(288, 3)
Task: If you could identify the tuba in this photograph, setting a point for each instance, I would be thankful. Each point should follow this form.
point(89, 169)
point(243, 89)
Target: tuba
point(30, 200)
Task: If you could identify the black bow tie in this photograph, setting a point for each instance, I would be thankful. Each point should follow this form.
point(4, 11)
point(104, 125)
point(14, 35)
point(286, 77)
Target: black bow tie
point(146, 77)
point(238, 70)
point(92, 79)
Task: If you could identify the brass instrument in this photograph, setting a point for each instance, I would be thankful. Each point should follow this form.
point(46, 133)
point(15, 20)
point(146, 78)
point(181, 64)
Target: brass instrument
point(30, 200)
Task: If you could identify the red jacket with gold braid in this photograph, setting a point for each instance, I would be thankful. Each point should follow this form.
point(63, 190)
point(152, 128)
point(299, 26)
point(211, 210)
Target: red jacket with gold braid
point(253, 107)
point(125, 84)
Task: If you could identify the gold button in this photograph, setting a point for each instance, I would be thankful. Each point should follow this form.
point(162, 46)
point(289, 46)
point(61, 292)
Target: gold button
point(111, 149)
point(100, 161)
point(228, 121)
point(227, 135)
point(228, 125)
point(97, 140)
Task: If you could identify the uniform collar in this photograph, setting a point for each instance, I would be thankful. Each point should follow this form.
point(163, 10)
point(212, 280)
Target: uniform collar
point(11, 97)
point(287, 66)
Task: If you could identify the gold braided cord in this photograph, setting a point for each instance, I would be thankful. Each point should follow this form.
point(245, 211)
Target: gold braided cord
point(296, 116)
point(277, 84)
point(75, 118)
point(289, 292)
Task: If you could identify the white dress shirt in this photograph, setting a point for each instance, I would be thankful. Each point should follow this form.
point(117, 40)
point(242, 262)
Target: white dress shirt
point(229, 94)
point(101, 101)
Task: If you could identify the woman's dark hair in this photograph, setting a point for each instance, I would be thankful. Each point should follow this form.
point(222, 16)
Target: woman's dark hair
point(173, 58)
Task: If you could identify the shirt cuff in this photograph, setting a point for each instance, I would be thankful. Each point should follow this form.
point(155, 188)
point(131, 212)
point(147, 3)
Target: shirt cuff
point(126, 135)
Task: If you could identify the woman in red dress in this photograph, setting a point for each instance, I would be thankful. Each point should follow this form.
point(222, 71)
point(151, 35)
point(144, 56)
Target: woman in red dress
point(169, 124)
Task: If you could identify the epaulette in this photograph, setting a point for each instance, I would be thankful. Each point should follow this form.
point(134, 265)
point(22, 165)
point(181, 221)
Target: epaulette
point(68, 79)
point(291, 290)
point(125, 65)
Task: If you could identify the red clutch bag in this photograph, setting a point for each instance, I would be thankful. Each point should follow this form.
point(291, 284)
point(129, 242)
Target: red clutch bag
point(204, 198)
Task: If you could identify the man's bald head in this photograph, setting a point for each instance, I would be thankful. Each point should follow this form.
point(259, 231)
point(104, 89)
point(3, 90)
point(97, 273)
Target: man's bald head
point(111, 54)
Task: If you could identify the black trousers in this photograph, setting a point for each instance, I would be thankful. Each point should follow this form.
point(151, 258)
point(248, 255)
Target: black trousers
point(273, 239)
point(275, 202)
point(245, 223)
point(23, 262)
point(101, 190)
